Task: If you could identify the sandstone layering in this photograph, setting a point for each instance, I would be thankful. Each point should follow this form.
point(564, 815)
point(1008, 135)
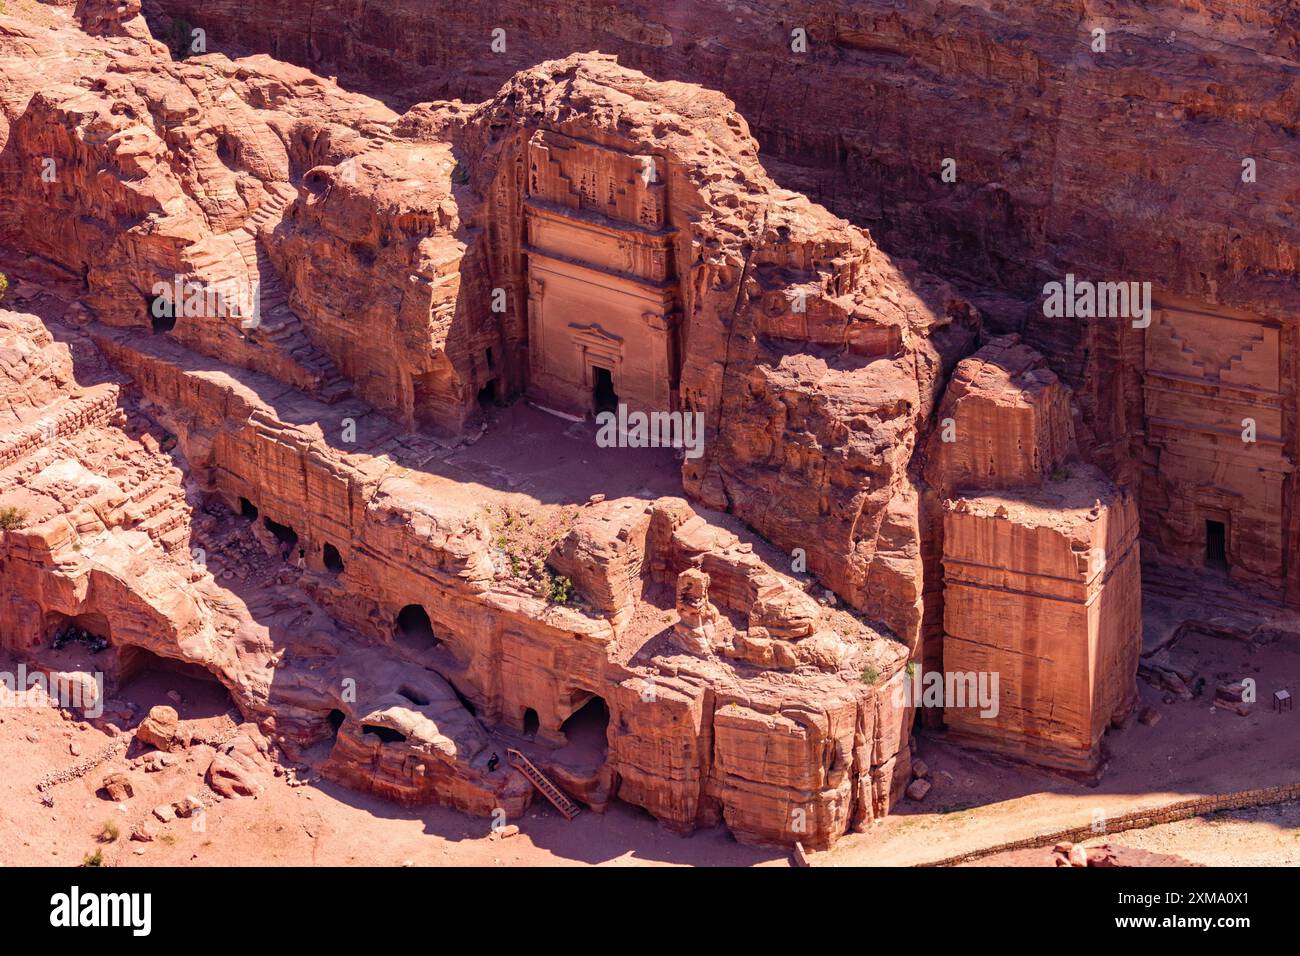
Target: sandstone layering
point(297, 389)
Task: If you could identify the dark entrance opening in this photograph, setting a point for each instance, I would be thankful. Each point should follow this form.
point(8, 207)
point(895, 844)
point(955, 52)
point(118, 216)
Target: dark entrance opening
point(531, 723)
point(147, 679)
point(283, 533)
point(162, 314)
point(603, 396)
point(487, 395)
point(247, 509)
point(226, 151)
point(336, 720)
point(87, 632)
point(1216, 544)
point(487, 353)
point(333, 560)
point(80, 643)
point(387, 734)
point(588, 725)
point(414, 629)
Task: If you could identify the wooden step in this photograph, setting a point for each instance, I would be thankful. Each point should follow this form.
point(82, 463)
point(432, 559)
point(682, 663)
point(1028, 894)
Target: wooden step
point(539, 780)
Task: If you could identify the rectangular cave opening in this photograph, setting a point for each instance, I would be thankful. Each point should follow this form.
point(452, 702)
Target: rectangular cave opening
point(82, 642)
point(414, 696)
point(1216, 543)
point(336, 719)
point(89, 632)
point(603, 396)
point(387, 734)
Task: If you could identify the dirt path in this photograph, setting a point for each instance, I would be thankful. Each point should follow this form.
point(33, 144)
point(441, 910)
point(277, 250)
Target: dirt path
point(1194, 750)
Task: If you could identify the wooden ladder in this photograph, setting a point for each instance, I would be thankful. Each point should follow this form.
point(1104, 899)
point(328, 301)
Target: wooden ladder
point(539, 780)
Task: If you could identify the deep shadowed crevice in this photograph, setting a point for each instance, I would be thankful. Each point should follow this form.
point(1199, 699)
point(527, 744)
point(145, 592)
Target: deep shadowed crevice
point(332, 559)
point(386, 734)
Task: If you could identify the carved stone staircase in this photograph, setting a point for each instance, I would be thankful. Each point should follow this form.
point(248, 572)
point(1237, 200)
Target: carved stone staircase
point(157, 506)
point(539, 780)
point(380, 136)
point(278, 325)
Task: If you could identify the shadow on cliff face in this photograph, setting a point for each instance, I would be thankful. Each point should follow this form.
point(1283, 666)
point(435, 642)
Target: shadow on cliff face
point(281, 632)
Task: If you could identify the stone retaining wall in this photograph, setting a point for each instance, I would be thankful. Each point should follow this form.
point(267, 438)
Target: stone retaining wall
point(1140, 820)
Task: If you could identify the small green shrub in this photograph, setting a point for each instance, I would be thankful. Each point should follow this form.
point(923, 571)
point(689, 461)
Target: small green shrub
point(870, 676)
point(108, 832)
point(93, 859)
point(11, 519)
point(560, 589)
point(4, 279)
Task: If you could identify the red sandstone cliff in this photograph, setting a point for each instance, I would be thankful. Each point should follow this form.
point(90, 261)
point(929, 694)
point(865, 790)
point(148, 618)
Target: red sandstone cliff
point(785, 725)
point(1068, 160)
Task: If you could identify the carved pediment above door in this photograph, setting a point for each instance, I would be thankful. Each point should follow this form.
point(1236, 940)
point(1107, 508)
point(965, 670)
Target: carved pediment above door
point(598, 344)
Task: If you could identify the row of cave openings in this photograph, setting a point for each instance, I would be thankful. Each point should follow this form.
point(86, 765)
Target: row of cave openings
point(413, 629)
point(585, 727)
point(331, 557)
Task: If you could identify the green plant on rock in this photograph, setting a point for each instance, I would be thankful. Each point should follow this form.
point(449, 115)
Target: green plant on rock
point(11, 519)
point(870, 675)
point(560, 588)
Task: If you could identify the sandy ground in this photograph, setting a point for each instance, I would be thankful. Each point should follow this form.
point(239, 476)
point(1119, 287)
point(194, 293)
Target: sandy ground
point(1195, 749)
point(977, 801)
point(1255, 836)
point(314, 824)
